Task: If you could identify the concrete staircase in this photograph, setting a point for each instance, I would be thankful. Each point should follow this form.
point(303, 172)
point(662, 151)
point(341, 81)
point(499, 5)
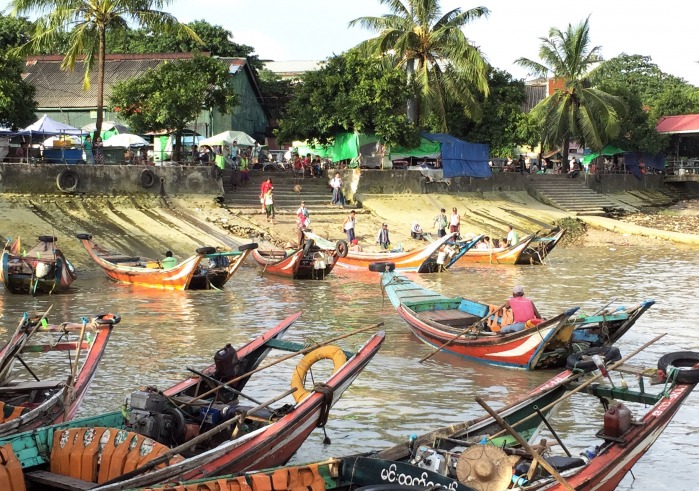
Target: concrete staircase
point(571, 195)
point(314, 191)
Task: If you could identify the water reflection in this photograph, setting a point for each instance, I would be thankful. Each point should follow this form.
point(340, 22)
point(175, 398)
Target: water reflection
point(162, 333)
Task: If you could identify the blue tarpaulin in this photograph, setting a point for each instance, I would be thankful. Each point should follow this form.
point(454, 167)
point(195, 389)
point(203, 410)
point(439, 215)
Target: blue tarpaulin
point(460, 158)
point(652, 162)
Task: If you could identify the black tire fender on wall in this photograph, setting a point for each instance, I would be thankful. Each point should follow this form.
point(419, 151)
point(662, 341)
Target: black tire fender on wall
point(67, 180)
point(195, 183)
point(147, 179)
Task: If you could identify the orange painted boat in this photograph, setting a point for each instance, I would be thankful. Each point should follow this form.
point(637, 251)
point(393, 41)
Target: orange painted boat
point(309, 263)
point(500, 255)
point(190, 274)
point(424, 260)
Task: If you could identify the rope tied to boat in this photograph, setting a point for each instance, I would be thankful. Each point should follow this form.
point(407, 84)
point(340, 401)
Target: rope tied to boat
point(394, 279)
point(670, 378)
point(327, 403)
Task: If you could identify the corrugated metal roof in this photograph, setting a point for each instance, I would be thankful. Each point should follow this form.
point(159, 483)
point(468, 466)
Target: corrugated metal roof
point(670, 125)
point(56, 88)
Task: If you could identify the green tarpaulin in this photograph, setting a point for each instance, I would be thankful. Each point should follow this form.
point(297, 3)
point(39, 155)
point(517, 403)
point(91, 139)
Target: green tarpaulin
point(607, 151)
point(427, 148)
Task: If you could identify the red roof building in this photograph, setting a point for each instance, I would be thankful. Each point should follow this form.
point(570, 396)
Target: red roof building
point(683, 124)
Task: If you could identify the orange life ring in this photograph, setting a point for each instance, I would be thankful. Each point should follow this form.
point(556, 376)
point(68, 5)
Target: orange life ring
point(325, 353)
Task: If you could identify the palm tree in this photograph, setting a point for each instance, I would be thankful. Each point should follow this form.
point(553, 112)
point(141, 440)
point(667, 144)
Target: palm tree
point(87, 23)
point(575, 110)
point(439, 59)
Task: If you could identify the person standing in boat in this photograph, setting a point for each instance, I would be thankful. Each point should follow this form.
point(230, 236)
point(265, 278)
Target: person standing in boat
point(512, 237)
point(441, 221)
point(455, 222)
point(523, 310)
point(169, 262)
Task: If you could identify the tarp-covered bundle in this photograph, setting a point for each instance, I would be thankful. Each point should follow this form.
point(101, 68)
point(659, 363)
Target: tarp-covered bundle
point(460, 158)
point(652, 162)
point(427, 149)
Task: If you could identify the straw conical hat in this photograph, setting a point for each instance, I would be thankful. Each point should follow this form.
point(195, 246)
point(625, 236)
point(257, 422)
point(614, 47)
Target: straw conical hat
point(484, 468)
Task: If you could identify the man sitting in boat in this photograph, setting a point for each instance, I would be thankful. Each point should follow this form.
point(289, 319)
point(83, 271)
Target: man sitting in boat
point(169, 262)
point(355, 247)
point(523, 310)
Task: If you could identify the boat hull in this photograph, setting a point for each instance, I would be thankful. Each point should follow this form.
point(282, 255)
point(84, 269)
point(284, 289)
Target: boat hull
point(18, 273)
point(508, 255)
point(296, 265)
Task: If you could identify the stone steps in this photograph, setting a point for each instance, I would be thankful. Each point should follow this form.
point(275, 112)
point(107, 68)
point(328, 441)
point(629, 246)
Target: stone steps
point(571, 195)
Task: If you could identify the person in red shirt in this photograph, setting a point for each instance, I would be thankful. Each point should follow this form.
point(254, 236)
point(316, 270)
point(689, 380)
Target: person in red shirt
point(264, 187)
point(523, 310)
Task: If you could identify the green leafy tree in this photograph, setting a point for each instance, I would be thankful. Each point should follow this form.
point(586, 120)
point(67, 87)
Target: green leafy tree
point(575, 110)
point(276, 92)
point(87, 23)
point(350, 93)
point(173, 95)
point(502, 111)
point(424, 42)
point(17, 104)
point(214, 39)
point(14, 32)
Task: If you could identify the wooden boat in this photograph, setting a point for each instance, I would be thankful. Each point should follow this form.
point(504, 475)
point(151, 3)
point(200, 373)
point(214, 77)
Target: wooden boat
point(436, 319)
point(117, 453)
point(499, 255)
point(541, 246)
point(42, 269)
point(26, 403)
point(190, 274)
point(308, 263)
point(479, 455)
point(434, 257)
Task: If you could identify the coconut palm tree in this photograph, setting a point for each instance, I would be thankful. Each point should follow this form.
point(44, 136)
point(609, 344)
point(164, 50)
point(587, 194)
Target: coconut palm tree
point(575, 109)
point(438, 57)
point(87, 23)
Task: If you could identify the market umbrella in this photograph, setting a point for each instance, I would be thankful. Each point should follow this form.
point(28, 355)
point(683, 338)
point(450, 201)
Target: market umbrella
point(608, 151)
point(227, 138)
point(125, 140)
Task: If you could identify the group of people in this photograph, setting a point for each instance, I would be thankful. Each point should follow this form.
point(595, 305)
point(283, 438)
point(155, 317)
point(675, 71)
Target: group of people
point(313, 166)
point(94, 151)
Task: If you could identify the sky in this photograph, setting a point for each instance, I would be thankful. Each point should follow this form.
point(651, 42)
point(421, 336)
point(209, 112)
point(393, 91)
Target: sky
point(284, 30)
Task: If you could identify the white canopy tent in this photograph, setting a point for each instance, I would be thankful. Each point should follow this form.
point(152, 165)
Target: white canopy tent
point(228, 137)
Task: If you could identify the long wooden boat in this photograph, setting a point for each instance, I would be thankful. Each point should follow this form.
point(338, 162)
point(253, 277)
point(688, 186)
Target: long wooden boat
point(541, 246)
point(436, 319)
point(29, 402)
point(479, 455)
point(190, 274)
point(434, 257)
point(311, 262)
point(118, 453)
point(41, 269)
point(498, 255)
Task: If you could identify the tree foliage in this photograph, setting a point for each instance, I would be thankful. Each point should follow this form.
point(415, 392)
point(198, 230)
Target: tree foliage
point(14, 32)
point(576, 110)
point(276, 92)
point(17, 102)
point(173, 95)
point(215, 39)
point(87, 23)
point(350, 93)
point(423, 42)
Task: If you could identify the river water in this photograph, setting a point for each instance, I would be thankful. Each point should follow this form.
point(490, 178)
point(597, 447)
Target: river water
point(161, 333)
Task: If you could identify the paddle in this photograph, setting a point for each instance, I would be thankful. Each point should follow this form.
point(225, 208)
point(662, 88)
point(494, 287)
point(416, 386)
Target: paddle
point(525, 445)
point(284, 358)
point(581, 386)
point(465, 331)
point(195, 441)
point(17, 349)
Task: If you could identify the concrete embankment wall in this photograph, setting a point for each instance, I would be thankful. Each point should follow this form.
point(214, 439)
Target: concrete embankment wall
point(109, 179)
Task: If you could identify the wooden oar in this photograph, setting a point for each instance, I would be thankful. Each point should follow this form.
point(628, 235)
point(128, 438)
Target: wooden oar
point(17, 349)
point(465, 331)
point(195, 441)
point(525, 445)
point(283, 358)
point(581, 386)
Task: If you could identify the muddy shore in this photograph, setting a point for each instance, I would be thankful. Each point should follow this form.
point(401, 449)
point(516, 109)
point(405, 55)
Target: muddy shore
point(149, 226)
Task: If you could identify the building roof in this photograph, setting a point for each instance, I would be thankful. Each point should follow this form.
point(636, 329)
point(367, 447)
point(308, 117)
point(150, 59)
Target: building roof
point(293, 68)
point(57, 88)
point(672, 125)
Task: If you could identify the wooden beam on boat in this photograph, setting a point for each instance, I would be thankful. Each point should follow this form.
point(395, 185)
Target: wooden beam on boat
point(45, 348)
point(58, 481)
point(29, 386)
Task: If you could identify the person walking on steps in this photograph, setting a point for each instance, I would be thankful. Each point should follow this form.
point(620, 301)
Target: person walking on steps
point(348, 226)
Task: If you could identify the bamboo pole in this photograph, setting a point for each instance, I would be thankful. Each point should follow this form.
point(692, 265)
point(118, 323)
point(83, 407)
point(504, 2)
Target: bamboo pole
point(581, 386)
point(284, 358)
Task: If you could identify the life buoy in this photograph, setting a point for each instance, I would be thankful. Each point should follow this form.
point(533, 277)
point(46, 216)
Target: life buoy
point(147, 178)
point(67, 180)
point(247, 247)
point(108, 319)
point(608, 353)
point(341, 248)
point(685, 361)
point(382, 267)
point(325, 353)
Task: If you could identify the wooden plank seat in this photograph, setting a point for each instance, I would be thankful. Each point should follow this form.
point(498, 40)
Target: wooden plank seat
point(122, 259)
point(29, 386)
point(49, 479)
point(451, 317)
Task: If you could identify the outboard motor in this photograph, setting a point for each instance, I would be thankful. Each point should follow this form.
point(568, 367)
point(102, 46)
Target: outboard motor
point(151, 415)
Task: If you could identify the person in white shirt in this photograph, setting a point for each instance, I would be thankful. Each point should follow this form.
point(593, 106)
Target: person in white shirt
point(455, 221)
point(338, 197)
point(512, 237)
